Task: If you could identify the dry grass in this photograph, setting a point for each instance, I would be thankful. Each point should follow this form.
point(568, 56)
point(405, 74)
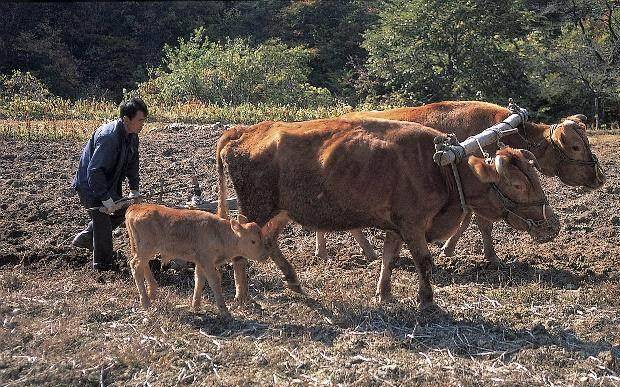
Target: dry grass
point(65, 326)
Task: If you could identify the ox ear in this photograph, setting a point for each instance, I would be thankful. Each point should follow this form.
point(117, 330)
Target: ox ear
point(485, 172)
point(531, 159)
point(236, 226)
point(242, 219)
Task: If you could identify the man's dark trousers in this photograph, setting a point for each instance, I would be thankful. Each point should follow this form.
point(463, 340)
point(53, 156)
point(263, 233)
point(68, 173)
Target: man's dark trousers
point(100, 229)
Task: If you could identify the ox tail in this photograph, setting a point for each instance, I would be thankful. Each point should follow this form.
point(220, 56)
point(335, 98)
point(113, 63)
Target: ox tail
point(222, 190)
point(131, 231)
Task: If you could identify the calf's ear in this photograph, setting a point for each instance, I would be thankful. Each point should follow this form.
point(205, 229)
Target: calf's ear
point(236, 226)
point(242, 219)
point(485, 172)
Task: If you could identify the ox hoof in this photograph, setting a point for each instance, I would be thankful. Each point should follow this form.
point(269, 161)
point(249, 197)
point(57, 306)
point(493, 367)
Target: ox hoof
point(224, 314)
point(247, 303)
point(447, 251)
point(323, 256)
point(385, 298)
point(370, 256)
point(242, 300)
point(493, 260)
point(296, 287)
point(430, 307)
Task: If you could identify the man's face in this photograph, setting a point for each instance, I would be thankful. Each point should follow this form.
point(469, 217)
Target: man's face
point(135, 124)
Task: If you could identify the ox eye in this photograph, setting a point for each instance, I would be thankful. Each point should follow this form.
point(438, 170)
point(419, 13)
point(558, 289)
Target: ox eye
point(253, 242)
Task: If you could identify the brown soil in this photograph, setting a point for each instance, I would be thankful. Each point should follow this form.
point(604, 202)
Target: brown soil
point(548, 316)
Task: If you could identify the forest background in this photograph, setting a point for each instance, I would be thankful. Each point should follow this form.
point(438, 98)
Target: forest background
point(245, 61)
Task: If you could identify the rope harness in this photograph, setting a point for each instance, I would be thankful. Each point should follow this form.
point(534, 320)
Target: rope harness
point(565, 157)
point(509, 207)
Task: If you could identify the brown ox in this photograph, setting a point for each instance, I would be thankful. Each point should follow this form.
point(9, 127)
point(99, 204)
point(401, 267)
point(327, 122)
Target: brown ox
point(340, 174)
point(562, 150)
point(196, 236)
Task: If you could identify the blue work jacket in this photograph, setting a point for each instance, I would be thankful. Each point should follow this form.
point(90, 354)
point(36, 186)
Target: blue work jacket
point(110, 155)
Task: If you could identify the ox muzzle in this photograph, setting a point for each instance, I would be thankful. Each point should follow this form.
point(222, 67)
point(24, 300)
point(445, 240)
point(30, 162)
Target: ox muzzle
point(542, 229)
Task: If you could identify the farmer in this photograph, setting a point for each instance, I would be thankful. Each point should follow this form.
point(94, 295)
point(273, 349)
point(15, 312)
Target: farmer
point(108, 157)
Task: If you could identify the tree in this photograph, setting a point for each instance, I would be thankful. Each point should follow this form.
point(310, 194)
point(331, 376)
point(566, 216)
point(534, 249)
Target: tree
point(580, 67)
point(423, 51)
point(233, 73)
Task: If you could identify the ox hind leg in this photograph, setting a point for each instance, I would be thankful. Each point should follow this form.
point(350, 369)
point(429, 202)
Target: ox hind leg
point(272, 231)
point(321, 245)
point(450, 245)
point(214, 278)
point(391, 247)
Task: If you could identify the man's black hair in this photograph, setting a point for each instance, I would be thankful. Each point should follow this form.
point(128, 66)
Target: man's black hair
point(131, 106)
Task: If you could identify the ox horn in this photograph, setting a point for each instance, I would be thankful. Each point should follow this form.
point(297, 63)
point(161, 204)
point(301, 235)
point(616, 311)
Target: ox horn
point(501, 166)
point(580, 117)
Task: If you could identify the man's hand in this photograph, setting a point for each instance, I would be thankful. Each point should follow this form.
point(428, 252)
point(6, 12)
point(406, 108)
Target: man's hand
point(109, 206)
point(135, 196)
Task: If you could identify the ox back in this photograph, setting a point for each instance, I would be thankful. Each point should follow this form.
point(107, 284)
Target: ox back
point(336, 174)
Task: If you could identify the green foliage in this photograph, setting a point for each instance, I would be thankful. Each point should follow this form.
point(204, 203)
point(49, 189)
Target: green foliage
point(424, 51)
point(24, 97)
point(233, 73)
point(577, 59)
point(23, 85)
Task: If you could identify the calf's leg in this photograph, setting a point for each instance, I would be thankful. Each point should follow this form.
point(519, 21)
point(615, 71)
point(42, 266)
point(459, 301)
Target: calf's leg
point(151, 284)
point(240, 269)
point(137, 270)
point(199, 285)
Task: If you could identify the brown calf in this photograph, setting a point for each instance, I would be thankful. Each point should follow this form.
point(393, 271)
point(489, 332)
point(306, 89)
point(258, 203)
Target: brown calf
point(195, 236)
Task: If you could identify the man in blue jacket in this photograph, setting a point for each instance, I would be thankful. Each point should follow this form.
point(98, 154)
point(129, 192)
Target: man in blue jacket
point(110, 156)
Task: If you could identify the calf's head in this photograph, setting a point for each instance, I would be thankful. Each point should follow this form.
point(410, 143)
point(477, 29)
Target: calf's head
point(569, 155)
point(251, 243)
point(515, 193)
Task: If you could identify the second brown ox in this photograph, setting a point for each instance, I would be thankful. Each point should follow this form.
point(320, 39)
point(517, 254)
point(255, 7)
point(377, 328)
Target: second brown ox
point(340, 174)
point(562, 150)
